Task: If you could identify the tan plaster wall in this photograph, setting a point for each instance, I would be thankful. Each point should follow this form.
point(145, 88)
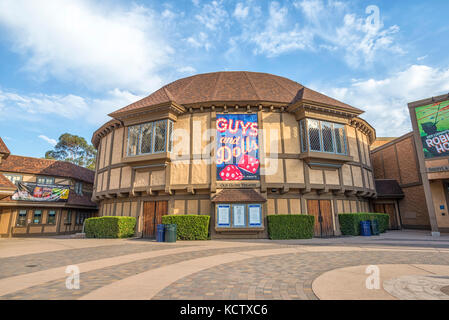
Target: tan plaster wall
point(295, 170)
point(316, 176)
point(205, 207)
point(158, 178)
point(192, 207)
point(179, 172)
point(114, 182)
point(134, 212)
point(105, 182)
point(117, 146)
point(295, 206)
point(282, 206)
point(290, 129)
point(179, 207)
point(108, 149)
point(200, 172)
point(126, 177)
point(352, 142)
point(275, 170)
point(332, 177)
point(142, 179)
point(181, 136)
point(346, 173)
point(200, 133)
point(270, 206)
point(357, 173)
point(102, 152)
point(271, 132)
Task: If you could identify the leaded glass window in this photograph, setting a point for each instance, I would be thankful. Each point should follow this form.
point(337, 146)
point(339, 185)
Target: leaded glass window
point(322, 136)
point(150, 137)
point(160, 131)
point(133, 140)
point(146, 138)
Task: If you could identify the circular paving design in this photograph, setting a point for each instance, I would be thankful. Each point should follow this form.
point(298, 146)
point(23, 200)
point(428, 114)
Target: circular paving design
point(412, 287)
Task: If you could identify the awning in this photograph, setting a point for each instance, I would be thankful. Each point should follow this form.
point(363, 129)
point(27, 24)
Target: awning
point(388, 189)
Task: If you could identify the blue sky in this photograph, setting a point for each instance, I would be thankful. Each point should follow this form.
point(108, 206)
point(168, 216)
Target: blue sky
point(65, 64)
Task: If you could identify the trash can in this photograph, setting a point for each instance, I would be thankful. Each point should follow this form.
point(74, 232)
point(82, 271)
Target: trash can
point(375, 227)
point(160, 234)
point(365, 228)
point(170, 232)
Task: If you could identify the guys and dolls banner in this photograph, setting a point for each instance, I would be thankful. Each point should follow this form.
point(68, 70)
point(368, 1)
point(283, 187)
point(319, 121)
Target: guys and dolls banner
point(237, 154)
point(41, 192)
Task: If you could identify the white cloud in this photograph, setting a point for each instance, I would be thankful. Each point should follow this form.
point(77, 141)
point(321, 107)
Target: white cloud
point(51, 141)
point(385, 101)
point(186, 69)
point(213, 15)
point(86, 42)
point(326, 26)
point(36, 106)
point(241, 11)
point(201, 40)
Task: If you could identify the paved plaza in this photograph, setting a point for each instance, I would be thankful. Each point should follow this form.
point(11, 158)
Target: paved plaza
point(410, 265)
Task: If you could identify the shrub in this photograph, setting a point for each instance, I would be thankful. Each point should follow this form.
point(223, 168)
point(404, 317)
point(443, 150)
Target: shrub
point(110, 227)
point(292, 226)
point(350, 222)
point(189, 226)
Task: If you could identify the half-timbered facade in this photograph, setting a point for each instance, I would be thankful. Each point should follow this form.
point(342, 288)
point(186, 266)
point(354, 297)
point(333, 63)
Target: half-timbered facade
point(237, 146)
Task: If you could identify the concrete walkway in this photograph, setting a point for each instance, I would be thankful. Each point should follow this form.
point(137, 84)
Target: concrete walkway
point(241, 269)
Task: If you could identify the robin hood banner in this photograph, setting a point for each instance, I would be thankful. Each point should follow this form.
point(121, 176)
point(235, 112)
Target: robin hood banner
point(237, 155)
point(41, 192)
point(433, 124)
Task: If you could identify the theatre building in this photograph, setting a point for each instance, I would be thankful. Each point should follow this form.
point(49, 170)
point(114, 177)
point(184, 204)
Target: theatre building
point(237, 146)
point(43, 197)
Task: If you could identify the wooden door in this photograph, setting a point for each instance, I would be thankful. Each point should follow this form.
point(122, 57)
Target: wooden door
point(153, 211)
point(322, 211)
point(313, 208)
point(390, 209)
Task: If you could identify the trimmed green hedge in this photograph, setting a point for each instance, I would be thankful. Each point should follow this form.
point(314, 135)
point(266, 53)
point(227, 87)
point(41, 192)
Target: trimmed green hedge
point(189, 226)
point(350, 222)
point(110, 227)
point(290, 226)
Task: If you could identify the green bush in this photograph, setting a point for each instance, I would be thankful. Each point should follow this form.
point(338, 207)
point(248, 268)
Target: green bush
point(350, 222)
point(292, 226)
point(110, 227)
point(189, 226)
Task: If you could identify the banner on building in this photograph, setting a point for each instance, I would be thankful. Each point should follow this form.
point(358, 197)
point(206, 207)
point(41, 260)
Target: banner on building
point(433, 124)
point(237, 153)
point(41, 192)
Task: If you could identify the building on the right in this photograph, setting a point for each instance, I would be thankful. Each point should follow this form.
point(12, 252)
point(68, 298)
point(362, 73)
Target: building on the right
point(430, 121)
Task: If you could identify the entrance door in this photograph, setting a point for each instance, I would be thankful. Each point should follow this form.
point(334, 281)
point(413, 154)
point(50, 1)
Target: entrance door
point(152, 216)
point(390, 209)
point(322, 211)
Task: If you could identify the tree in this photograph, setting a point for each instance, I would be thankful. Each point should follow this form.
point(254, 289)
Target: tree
point(74, 149)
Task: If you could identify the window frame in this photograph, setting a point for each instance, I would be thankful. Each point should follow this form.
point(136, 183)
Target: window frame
point(46, 179)
point(18, 222)
point(11, 176)
point(34, 216)
point(53, 216)
point(79, 188)
point(168, 137)
point(305, 129)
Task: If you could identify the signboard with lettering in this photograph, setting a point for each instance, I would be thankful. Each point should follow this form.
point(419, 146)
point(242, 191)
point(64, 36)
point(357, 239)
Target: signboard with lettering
point(238, 217)
point(255, 215)
point(433, 125)
point(237, 154)
point(223, 215)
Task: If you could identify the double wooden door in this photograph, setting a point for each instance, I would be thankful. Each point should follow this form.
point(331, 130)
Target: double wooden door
point(390, 209)
point(322, 210)
point(152, 216)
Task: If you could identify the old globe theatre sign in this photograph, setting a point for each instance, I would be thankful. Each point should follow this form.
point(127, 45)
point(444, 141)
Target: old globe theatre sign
point(237, 155)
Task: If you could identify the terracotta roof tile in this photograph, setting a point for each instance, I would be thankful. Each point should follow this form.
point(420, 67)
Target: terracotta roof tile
point(3, 148)
point(238, 195)
point(388, 188)
point(49, 167)
point(5, 183)
point(233, 87)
